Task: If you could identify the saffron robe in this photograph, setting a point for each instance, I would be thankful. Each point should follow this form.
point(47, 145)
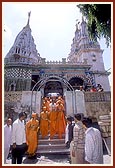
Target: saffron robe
point(32, 128)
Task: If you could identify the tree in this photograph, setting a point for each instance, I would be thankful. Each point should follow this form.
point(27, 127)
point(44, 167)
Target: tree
point(98, 18)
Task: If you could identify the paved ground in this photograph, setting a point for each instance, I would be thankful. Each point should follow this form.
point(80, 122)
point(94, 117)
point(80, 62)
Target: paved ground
point(55, 159)
point(59, 159)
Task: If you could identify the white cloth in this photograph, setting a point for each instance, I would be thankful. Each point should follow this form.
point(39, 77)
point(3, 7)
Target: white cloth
point(18, 132)
point(52, 106)
point(7, 140)
point(66, 133)
point(73, 158)
point(93, 146)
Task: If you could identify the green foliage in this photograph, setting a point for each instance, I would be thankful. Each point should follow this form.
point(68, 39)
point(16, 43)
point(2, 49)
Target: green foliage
point(99, 20)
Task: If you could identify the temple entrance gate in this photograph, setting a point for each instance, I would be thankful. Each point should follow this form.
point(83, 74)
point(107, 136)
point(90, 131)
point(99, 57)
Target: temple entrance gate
point(63, 85)
point(74, 99)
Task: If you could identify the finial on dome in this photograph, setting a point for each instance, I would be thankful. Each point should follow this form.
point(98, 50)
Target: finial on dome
point(29, 13)
point(83, 19)
point(77, 24)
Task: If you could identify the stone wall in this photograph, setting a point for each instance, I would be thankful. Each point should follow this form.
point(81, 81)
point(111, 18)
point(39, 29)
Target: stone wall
point(98, 107)
point(97, 103)
point(105, 125)
point(21, 101)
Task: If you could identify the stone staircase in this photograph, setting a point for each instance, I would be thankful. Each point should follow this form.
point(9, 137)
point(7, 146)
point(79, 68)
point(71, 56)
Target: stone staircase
point(52, 146)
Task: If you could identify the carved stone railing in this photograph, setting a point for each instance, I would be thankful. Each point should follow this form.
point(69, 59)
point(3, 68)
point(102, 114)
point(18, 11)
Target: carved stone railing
point(97, 96)
point(27, 61)
point(89, 96)
point(67, 63)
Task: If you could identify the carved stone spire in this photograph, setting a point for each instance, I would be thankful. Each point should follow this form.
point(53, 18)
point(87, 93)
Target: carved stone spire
point(24, 46)
point(81, 42)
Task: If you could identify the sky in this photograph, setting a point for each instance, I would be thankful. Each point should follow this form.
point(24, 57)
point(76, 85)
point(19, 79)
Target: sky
point(52, 24)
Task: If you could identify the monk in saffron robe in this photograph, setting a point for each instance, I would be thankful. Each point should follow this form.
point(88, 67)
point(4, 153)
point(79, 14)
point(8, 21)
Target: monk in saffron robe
point(53, 118)
point(44, 122)
point(62, 101)
point(46, 103)
point(60, 123)
point(32, 127)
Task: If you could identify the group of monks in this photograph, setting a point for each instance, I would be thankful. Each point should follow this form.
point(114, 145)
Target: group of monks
point(51, 121)
point(52, 117)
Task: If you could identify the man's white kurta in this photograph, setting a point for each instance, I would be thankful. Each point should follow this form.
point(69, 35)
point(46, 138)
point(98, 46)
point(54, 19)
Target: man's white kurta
point(66, 134)
point(18, 133)
point(93, 146)
point(7, 140)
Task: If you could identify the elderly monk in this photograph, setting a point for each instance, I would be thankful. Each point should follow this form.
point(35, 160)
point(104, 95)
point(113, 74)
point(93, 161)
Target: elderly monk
point(32, 127)
point(44, 122)
point(53, 118)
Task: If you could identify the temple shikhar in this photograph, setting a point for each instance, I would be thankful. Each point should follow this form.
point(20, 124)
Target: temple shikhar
point(29, 78)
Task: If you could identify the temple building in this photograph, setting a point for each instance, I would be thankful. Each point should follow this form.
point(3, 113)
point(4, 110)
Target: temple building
point(26, 71)
point(29, 80)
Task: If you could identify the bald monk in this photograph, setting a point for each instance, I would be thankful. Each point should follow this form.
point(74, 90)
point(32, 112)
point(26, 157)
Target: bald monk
point(32, 127)
point(44, 122)
point(46, 103)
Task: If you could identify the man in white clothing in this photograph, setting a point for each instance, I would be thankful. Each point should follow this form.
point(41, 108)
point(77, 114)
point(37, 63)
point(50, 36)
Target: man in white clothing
point(77, 146)
point(18, 139)
point(93, 143)
point(7, 138)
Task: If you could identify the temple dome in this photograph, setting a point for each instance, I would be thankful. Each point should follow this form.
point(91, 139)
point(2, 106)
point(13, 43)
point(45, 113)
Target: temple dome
point(24, 49)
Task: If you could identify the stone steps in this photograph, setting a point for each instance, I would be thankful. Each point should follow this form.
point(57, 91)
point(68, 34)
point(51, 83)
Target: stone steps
point(53, 151)
point(54, 137)
point(52, 146)
point(50, 141)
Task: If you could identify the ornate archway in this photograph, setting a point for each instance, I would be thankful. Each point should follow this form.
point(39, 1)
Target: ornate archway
point(46, 82)
point(76, 82)
point(53, 87)
point(42, 82)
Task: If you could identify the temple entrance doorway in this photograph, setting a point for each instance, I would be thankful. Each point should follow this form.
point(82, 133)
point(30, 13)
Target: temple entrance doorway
point(53, 87)
point(47, 87)
point(76, 82)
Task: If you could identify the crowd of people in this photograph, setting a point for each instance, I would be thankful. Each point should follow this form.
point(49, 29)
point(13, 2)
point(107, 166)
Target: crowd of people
point(84, 141)
point(97, 88)
point(21, 137)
